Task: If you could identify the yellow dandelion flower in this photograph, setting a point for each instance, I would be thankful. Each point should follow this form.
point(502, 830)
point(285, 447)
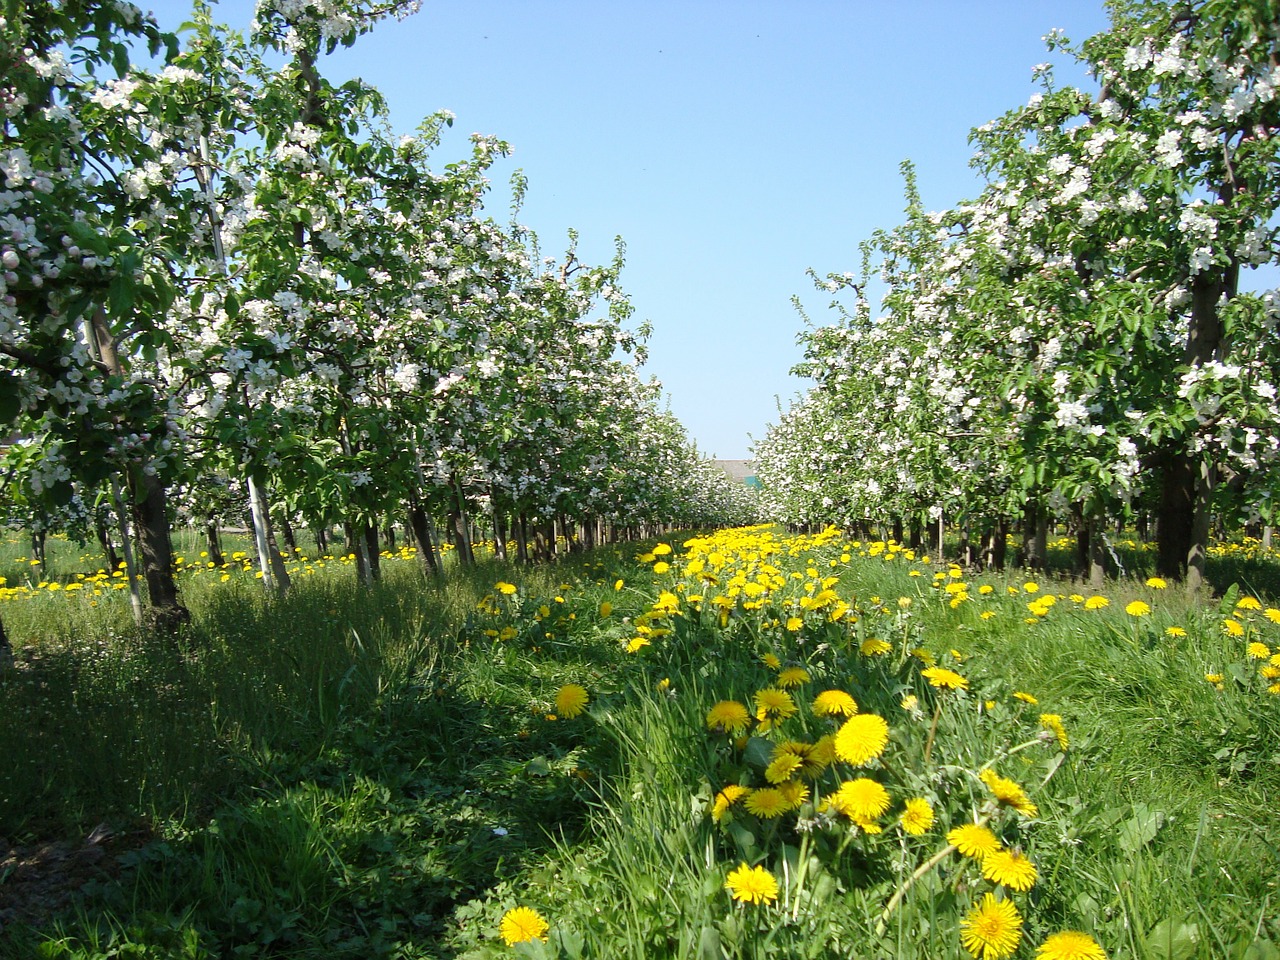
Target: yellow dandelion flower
point(506, 589)
point(992, 930)
point(794, 623)
point(1025, 697)
point(1156, 583)
point(1053, 723)
point(909, 702)
point(521, 924)
point(862, 738)
point(571, 700)
point(1232, 628)
point(1137, 608)
point(986, 589)
point(1248, 603)
point(973, 840)
point(1076, 598)
point(793, 677)
point(944, 679)
point(661, 567)
point(773, 706)
point(1070, 945)
point(606, 609)
point(636, 644)
point(771, 661)
point(1273, 614)
point(820, 756)
point(1011, 869)
point(752, 885)
point(834, 703)
point(1096, 602)
point(794, 792)
point(861, 799)
point(1258, 651)
point(617, 585)
point(917, 816)
point(872, 647)
point(924, 656)
point(662, 549)
point(1175, 632)
point(987, 614)
point(766, 803)
point(1008, 793)
point(728, 716)
point(782, 766)
point(725, 799)
point(1213, 678)
point(1031, 587)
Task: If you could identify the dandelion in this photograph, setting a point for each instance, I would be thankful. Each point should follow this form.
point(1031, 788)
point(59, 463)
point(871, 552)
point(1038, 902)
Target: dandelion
point(1258, 651)
point(862, 738)
point(571, 700)
point(834, 703)
point(661, 567)
point(1232, 628)
point(521, 924)
point(1248, 603)
point(771, 661)
point(992, 930)
point(751, 884)
point(944, 679)
point(973, 840)
point(794, 623)
point(506, 589)
point(617, 585)
point(1273, 614)
point(1070, 945)
point(861, 799)
point(606, 608)
point(766, 803)
point(872, 647)
point(1156, 583)
point(1053, 723)
point(793, 677)
point(725, 799)
point(1031, 587)
point(794, 792)
point(1011, 869)
point(636, 644)
point(1175, 632)
point(1096, 602)
point(1025, 697)
point(782, 766)
point(917, 816)
point(909, 702)
point(1137, 608)
point(728, 716)
point(1008, 793)
point(773, 706)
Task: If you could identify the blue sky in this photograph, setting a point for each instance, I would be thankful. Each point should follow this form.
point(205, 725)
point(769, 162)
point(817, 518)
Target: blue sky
point(732, 145)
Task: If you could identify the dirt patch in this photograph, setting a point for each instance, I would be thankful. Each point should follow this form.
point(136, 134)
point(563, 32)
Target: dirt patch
point(39, 881)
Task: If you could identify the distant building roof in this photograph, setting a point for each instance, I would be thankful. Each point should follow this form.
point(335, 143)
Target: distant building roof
point(744, 471)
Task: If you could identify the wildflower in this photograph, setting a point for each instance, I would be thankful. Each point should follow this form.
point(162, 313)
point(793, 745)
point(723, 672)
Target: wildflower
point(1009, 793)
point(661, 567)
point(909, 702)
point(782, 766)
point(751, 884)
point(872, 647)
point(834, 703)
point(1273, 614)
point(617, 585)
point(862, 738)
point(1248, 603)
point(1232, 628)
point(606, 608)
point(987, 614)
point(771, 661)
point(973, 840)
point(1031, 587)
point(728, 716)
point(820, 756)
point(794, 792)
point(1070, 945)
point(521, 924)
point(945, 679)
point(1175, 632)
point(1137, 609)
point(571, 700)
point(1156, 583)
point(793, 677)
point(861, 799)
point(1011, 869)
point(1096, 602)
point(794, 623)
point(986, 589)
point(767, 803)
point(924, 656)
point(662, 549)
point(725, 799)
point(506, 589)
point(992, 930)
point(917, 817)
point(773, 706)
point(636, 644)
point(1053, 723)
point(1258, 651)
point(1025, 697)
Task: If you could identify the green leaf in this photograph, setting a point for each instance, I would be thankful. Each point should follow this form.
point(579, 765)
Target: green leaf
point(1141, 829)
point(1171, 940)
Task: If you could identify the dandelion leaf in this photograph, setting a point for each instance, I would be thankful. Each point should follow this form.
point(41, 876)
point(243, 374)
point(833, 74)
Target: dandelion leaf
point(1141, 829)
point(1171, 940)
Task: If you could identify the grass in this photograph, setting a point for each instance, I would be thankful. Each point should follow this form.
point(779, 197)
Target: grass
point(376, 773)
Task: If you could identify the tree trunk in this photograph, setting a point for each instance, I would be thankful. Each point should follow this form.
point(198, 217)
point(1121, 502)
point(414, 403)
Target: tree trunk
point(151, 519)
point(421, 531)
point(354, 547)
point(1202, 508)
point(522, 539)
point(1175, 514)
point(286, 531)
point(6, 651)
point(371, 546)
point(212, 540)
point(104, 539)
